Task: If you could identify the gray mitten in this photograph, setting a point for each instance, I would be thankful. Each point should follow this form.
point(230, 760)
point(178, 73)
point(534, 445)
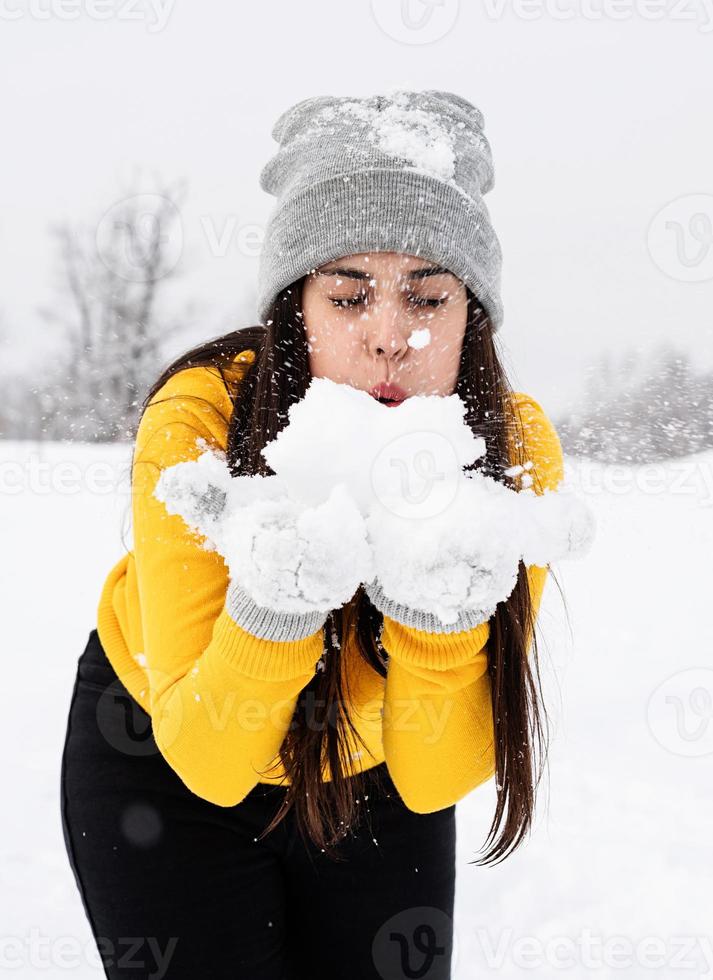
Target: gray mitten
point(289, 564)
point(418, 619)
point(269, 624)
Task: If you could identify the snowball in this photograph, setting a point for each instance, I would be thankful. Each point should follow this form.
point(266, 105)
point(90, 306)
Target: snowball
point(364, 491)
point(463, 558)
point(197, 490)
point(419, 339)
point(340, 434)
point(203, 490)
point(298, 559)
point(554, 525)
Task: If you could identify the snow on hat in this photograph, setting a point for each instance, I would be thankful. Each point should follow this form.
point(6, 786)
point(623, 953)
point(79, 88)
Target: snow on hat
point(403, 172)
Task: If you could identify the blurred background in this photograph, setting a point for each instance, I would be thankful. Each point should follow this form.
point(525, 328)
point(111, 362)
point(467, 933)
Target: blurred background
point(133, 135)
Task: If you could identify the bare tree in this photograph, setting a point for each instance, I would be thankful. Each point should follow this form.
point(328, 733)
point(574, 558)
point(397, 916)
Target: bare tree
point(9, 420)
point(110, 330)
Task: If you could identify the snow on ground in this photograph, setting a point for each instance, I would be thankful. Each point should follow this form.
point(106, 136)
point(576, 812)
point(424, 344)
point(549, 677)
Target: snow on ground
point(617, 876)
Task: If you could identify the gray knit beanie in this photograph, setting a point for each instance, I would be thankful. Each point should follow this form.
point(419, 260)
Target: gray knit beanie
point(404, 172)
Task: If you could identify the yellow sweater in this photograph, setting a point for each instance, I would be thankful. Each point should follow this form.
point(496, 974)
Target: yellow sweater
point(221, 699)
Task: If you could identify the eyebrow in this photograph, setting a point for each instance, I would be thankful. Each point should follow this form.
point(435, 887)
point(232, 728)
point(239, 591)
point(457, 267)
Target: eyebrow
point(347, 273)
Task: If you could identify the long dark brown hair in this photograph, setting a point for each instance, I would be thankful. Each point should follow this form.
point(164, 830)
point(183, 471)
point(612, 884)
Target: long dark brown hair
point(321, 727)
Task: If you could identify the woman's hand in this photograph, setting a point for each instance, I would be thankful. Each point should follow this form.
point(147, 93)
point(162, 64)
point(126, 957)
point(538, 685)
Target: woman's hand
point(295, 561)
point(446, 572)
point(289, 564)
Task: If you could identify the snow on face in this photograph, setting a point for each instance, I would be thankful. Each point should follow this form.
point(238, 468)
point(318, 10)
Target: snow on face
point(418, 339)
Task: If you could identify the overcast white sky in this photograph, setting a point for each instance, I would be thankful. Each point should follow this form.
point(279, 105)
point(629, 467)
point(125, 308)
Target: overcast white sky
point(596, 124)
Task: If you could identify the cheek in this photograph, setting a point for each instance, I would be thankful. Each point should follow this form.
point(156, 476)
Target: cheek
point(437, 362)
point(333, 340)
point(329, 331)
point(441, 337)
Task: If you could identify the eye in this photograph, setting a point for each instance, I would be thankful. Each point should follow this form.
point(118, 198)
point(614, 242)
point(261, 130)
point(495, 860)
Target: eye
point(346, 301)
point(427, 300)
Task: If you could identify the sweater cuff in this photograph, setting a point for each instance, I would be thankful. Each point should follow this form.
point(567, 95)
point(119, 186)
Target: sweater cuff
point(269, 624)
point(261, 659)
point(433, 651)
point(420, 620)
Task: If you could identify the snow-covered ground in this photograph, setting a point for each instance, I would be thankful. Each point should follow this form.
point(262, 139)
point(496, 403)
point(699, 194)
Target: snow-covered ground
point(617, 877)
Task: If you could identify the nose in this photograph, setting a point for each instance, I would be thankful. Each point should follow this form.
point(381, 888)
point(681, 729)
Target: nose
point(385, 333)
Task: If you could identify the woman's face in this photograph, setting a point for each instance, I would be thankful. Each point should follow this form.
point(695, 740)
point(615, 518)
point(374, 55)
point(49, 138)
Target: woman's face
point(385, 317)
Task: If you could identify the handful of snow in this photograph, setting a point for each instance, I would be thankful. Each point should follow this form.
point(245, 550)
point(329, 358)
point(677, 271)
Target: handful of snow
point(362, 492)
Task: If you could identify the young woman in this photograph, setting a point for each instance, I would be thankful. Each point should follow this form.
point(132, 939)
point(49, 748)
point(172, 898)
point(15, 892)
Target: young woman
point(250, 793)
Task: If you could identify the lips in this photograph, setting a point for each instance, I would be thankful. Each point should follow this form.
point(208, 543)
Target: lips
point(388, 393)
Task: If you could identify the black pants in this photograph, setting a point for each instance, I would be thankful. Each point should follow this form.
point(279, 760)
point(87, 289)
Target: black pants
point(174, 886)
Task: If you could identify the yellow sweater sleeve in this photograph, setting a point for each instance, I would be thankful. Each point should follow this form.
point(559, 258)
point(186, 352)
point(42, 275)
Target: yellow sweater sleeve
point(438, 732)
point(220, 699)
